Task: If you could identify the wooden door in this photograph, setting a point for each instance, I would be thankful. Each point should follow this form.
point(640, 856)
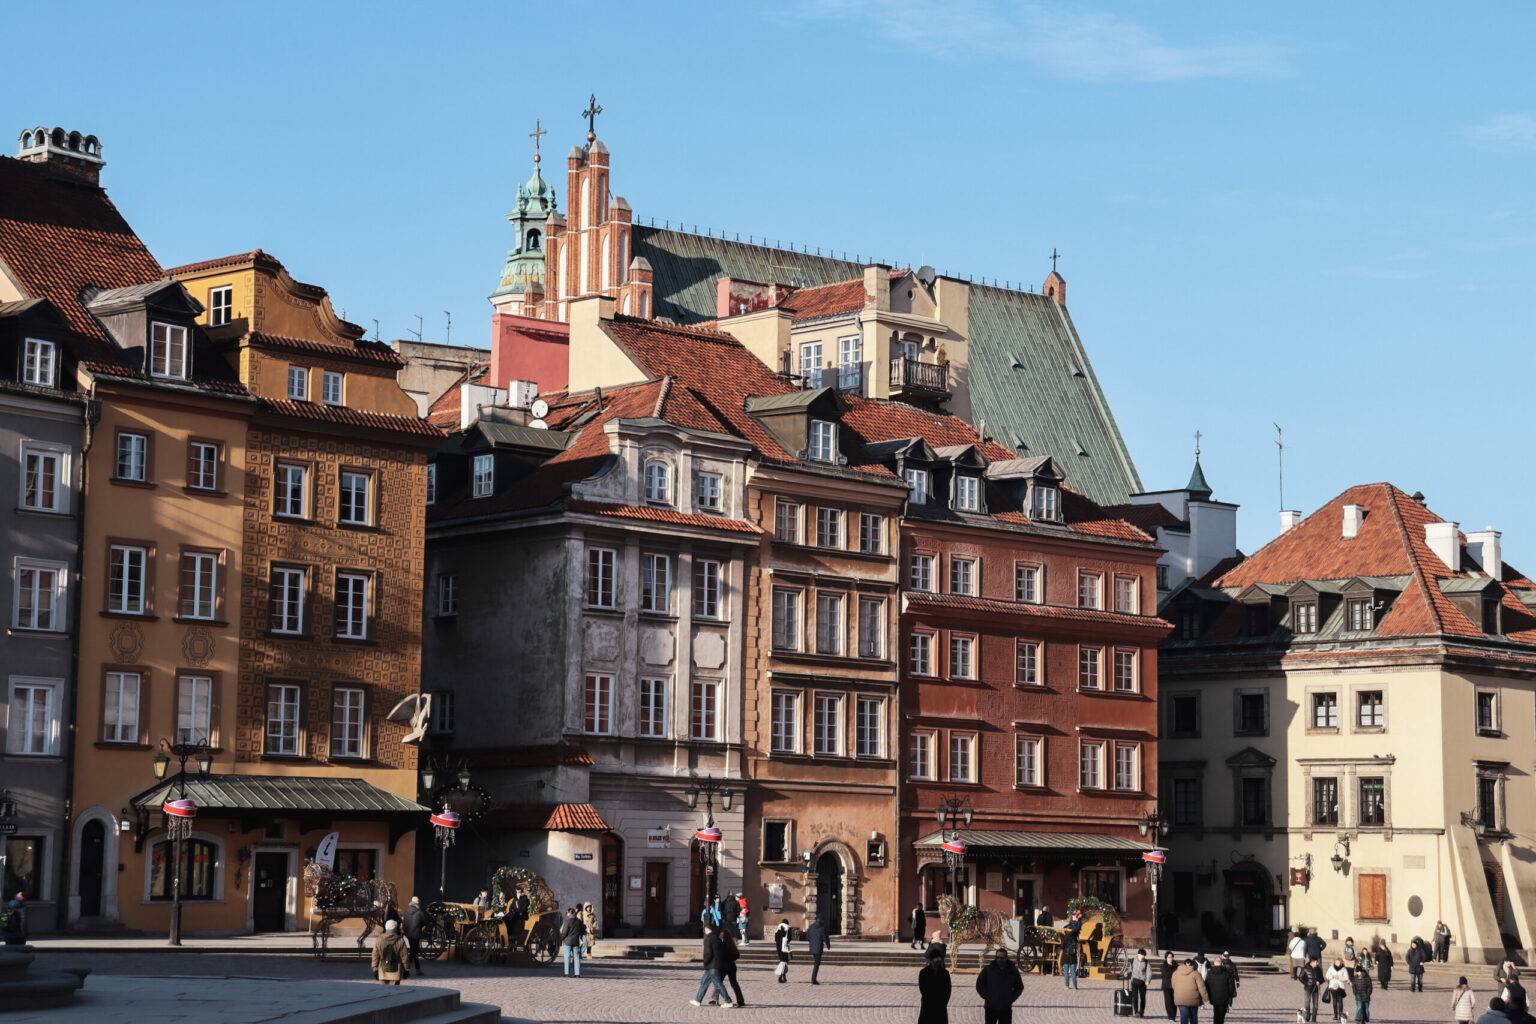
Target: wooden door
point(656, 894)
point(93, 851)
point(1373, 897)
point(269, 903)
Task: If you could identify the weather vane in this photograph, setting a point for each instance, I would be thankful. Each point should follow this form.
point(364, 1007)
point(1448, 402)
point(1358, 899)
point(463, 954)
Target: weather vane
point(537, 135)
point(591, 115)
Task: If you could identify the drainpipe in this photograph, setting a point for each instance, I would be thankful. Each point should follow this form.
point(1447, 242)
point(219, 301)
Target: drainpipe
point(90, 415)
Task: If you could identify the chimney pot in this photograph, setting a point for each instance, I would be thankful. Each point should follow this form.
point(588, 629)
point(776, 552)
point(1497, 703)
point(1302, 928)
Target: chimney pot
point(1486, 548)
point(1444, 539)
point(1354, 515)
point(66, 154)
point(1289, 519)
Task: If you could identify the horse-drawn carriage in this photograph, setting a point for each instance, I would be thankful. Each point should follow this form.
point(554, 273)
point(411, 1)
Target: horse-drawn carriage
point(1038, 947)
point(523, 927)
point(338, 898)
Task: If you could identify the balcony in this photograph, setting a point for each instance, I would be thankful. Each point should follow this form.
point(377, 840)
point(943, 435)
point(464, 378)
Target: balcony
point(913, 379)
point(845, 377)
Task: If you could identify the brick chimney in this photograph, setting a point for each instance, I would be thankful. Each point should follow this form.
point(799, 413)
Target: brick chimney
point(67, 154)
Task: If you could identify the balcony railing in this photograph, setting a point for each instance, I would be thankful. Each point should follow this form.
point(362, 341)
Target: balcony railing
point(911, 376)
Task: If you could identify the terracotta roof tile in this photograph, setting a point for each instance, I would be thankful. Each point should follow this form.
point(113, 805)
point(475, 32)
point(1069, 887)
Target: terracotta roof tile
point(361, 350)
point(340, 414)
point(1148, 517)
point(444, 411)
point(549, 817)
point(651, 513)
point(919, 601)
point(825, 300)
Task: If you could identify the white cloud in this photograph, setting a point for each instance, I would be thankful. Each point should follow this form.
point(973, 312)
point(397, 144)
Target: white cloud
point(1083, 45)
point(1506, 133)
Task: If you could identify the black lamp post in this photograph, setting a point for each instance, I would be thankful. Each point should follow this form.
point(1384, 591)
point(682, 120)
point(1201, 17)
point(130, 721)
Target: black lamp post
point(179, 826)
point(1155, 825)
point(446, 824)
point(709, 849)
point(951, 813)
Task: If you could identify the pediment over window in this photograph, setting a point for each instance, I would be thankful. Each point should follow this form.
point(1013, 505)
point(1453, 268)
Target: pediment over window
point(1250, 757)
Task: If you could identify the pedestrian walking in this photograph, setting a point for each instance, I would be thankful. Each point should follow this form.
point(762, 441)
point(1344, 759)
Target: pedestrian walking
point(781, 949)
point(1336, 978)
point(1189, 992)
point(1350, 960)
point(1382, 954)
point(1363, 988)
point(999, 986)
point(729, 954)
point(918, 920)
point(1166, 970)
point(1141, 975)
point(819, 941)
point(1298, 951)
point(1069, 956)
point(1442, 939)
point(1221, 987)
point(743, 915)
point(389, 955)
point(1311, 978)
point(571, 932)
point(1463, 1002)
point(933, 988)
point(711, 979)
point(13, 920)
point(589, 927)
point(1414, 961)
point(411, 925)
point(1315, 946)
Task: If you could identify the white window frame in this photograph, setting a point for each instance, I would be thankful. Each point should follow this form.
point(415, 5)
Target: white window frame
point(292, 596)
point(205, 583)
point(601, 581)
point(784, 731)
point(298, 383)
point(57, 592)
point(829, 528)
point(1091, 766)
point(22, 733)
point(827, 727)
point(920, 654)
point(447, 594)
point(708, 589)
point(967, 493)
point(704, 710)
point(963, 575)
point(60, 456)
point(788, 619)
point(871, 635)
point(283, 733)
point(1028, 662)
point(122, 599)
point(821, 441)
point(206, 463)
point(284, 476)
point(115, 727)
point(786, 520)
point(164, 340)
point(484, 476)
point(1090, 590)
point(962, 656)
point(850, 362)
point(1122, 784)
point(871, 533)
point(1121, 654)
point(354, 605)
point(810, 364)
point(1027, 580)
point(1028, 761)
point(1090, 668)
point(831, 623)
point(349, 717)
point(971, 742)
point(1129, 588)
point(868, 726)
point(194, 708)
point(347, 513)
point(656, 583)
point(917, 485)
point(597, 704)
point(332, 387)
point(221, 305)
point(920, 573)
point(1045, 502)
point(132, 458)
point(39, 363)
point(921, 754)
point(652, 705)
point(658, 482)
point(708, 491)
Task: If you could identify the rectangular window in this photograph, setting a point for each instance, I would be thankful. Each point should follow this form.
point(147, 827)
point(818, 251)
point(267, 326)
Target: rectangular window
point(356, 498)
point(1373, 801)
point(658, 482)
point(704, 710)
point(1325, 711)
point(829, 528)
point(920, 650)
point(653, 708)
point(1103, 884)
point(1026, 662)
point(850, 362)
point(39, 363)
point(1127, 594)
point(786, 619)
point(823, 447)
point(203, 465)
point(194, 709)
point(962, 665)
point(431, 483)
point(967, 494)
point(1370, 709)
point(1026, 583)
point(922, 755)
point(132, 457)
point(352, 605)
point(442, 711)
point(1027, 760)
point(1325, 801)
point(785, 731)
point(1043, 502)
point(917, 485)
point(706, 491)
point(282, 720)
point(776, 842)
point(656, 583)
point(1371, 891)
point(120, 707)
point(869, 727)
point(1488, 802)
point(447, 593)
point(962, 576)
point(1253, 713)
point(1304, 616)
point(288, 594)
point(1185, 715)
point(601, 591)
point(1125, 671)
point(962, 757)
point(34, 717)
point(920, 575)
point(831, 627)
point(1359, 614)
point(330, 387)
point(199, 584)
point(871, 533)
point(292, 490)
point(348, 722)
point(871, 627)
point(1127, 767)
point(786, 521)
point(708, 584)
point(168, 351)
point(1090, 590)
point(484, 476)
point(1090, 769)
point(829, 724)
point(45, 476)
point(810, 364)
point(298, 383)
point(39, 597)
point(1488, 712)
point(127, 585)
point(1255, 801)
point(1187, 800)
point(221, 303)
point(597, 704)
point(1090, 666)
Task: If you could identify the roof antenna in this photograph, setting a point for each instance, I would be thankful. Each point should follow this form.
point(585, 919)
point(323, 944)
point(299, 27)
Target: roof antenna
point(448, 331)
point(1280, 461)
point(417, 331)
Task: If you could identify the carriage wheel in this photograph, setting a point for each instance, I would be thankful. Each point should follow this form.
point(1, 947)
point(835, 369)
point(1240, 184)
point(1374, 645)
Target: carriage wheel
point(480, 944)
point(434, 940)
point(543, 948)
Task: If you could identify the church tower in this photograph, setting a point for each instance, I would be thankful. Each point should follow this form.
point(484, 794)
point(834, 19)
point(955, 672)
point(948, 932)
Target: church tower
point(521, 290)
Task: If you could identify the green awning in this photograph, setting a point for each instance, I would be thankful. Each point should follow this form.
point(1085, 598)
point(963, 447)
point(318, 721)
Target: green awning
point(284, 795)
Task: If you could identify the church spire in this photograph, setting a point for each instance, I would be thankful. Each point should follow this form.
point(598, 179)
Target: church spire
point(1197, 487)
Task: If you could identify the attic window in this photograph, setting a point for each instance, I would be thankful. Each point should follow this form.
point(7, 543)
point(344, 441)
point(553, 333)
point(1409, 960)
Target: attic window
point(917, 485)
point(823, 446)
point(1491, 617)
point(658, 482)
point(1258, 620)
point(967, 494)
point(39, 362)
point(1044, 502)
point(1303, 617)
point(484, 476)
point(1361, 614)
point(221, 302)
point(168, 351)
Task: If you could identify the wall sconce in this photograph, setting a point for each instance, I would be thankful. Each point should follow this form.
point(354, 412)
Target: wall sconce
point(1337, 860)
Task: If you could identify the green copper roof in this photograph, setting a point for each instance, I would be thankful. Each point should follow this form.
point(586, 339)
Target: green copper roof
point(1197, 484)
point(1032, 384)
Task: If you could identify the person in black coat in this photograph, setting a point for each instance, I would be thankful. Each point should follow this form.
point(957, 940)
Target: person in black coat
point(1043, 919)
point(781, 950)
point(999, 986)
point(1221, 983)
point(729, 954)
point(713, 959)
point(1414, 959)
point(818, 940)
point(415, 919)
point(1384, 961)
point(933, 989)
point(1166, 969)
point(918, 919)
point(1311, 978)
point(1315, 946)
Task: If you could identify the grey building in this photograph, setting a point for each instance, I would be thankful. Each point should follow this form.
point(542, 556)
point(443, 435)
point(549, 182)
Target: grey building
point(43, 428)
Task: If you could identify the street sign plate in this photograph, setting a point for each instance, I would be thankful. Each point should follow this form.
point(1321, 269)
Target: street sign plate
point(7, 827)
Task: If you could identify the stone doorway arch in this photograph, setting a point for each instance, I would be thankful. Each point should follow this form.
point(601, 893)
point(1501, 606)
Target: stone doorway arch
point(849, 912)
point(101, 875)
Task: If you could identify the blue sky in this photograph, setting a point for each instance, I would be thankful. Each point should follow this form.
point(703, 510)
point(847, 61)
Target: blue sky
point(1319, 215)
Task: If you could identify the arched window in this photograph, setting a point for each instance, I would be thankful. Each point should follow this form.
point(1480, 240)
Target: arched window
point(602, 199)
point(586, 202)
point(199, 866)
point(534, 240)
point(585, 252)
point(645, 303)
point(623, 258)
point(607, 265)
point(658, 482)
point(629, 304)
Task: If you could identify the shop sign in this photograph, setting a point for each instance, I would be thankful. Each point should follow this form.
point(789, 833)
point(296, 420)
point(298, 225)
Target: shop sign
point(658, 838)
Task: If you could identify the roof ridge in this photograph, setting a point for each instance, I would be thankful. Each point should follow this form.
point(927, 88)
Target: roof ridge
point(661, 395)
point(1413, 557)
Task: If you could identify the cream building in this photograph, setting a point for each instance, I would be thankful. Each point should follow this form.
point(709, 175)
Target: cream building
point(1349, 717)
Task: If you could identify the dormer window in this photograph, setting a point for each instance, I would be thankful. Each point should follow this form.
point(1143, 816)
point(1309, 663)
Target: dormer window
point(168, 351)
point(823, 446)
point(917, 485)
point(967, 494)
point(221, 303)
point(1491, 616)
point(1303, 617)
point(39, 364)
point(1045, 502)
point(484, 476)
point(298, 383)
point(706, 491)
point(330, 387)
point(658, 482)
point(1360, 614)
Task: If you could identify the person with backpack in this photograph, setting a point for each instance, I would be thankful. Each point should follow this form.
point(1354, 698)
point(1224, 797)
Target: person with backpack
point(389, 955)
point(729, 954)
point(13, 920)
point(999, 985)
point(572, 931)
point(781, 949)
point(933, 989)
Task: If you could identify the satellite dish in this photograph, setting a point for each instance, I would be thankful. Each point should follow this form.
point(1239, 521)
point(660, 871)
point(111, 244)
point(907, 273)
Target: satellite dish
point(538, 425)
point(539, 408)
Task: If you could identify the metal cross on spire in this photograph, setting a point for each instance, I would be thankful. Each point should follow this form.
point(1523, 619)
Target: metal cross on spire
point(537, 135)
point(1197, 446)
point(1054, 257)
point(591, 115)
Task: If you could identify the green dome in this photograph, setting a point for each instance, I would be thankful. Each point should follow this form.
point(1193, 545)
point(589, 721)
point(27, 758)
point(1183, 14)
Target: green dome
point(536, 185)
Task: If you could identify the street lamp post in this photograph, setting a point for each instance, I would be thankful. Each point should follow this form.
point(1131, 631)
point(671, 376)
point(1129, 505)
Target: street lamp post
point(951, 812)
point(179, 813)
point(1156, 825)
point(445, 823)
point(709, 836)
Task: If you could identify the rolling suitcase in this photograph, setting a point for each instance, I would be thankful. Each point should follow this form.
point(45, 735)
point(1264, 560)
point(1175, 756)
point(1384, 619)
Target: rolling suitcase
point(1123, 1000)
